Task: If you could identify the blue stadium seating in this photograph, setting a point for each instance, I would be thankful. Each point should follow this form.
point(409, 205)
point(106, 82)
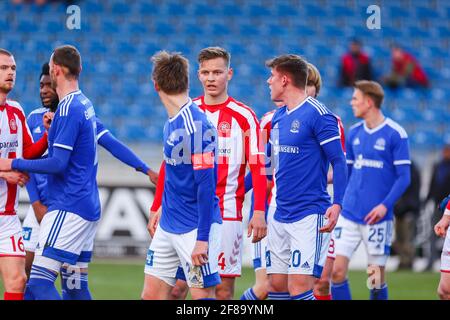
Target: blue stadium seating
point(119, 36)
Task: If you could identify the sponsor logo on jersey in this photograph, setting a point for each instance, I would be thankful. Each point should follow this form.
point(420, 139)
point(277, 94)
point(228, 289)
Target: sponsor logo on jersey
point(368, 163)
point(37, 130)
point(295, 125)
point(9, 144)
point(356, 142)
point(380, 144)
point(305, 265)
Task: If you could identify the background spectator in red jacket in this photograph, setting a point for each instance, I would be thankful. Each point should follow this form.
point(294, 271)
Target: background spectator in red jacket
point(406, 70)
point(355, 65)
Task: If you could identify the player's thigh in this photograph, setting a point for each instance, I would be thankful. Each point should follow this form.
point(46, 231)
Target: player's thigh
point(278, 248)
point(12, 270)
point(206, 275)
point(162, 260)
point(378, 240)
point(230, 255)
point(155, 288)
point(308, 245)
point(444, 286)
point(30, 229)
point(347, 237)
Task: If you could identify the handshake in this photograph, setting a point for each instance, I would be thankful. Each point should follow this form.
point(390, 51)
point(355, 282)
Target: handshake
point(442, 226)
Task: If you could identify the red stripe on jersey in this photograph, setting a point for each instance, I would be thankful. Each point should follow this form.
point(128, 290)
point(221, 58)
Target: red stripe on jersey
point(11, 194)
point(224, 117)
point(341, 132)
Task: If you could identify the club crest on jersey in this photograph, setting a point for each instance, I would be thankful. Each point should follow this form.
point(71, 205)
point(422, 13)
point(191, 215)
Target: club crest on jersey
point(295, 125)
point(380, 144)
point(224, 127)
point(13, 125)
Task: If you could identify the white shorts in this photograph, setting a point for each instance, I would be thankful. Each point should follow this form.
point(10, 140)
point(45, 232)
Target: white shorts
point(66, 237)
point(260, 248)
point(445, 257)
point(298, 247)
point(11, 240)
point(168, 251)
point(230, 255)
point(332, 247)
point(377, 238)
point(30, 227)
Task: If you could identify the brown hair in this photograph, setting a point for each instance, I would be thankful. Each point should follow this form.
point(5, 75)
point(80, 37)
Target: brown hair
point(68, 56)
point(170, 72)
point(314, 78)
point(372, 89)
point(212, 53)
point(5, 52)
point(292, 64)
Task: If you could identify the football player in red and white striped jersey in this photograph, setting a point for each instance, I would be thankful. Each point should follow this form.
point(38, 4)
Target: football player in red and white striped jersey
point(15, 142)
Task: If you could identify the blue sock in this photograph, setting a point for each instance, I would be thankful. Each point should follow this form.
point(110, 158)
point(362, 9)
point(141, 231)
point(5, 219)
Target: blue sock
point(278, 296)
point(341, 291)
point(249, 294)
point(41, 285)
point(379, 294)
point(74, 285)
point(308, 295)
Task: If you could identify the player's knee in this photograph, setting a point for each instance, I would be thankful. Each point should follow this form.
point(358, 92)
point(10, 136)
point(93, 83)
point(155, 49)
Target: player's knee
point(15, 281)
point(338, 274)
point(224, 293)
point(275, 285)
point(179, 292)
point(444, 291)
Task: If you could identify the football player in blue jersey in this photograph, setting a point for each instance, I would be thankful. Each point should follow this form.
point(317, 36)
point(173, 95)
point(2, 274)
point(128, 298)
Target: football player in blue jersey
point(304, 140)
point(37, 186)
point(67, 230)
point(189, 230)
point(379, 172)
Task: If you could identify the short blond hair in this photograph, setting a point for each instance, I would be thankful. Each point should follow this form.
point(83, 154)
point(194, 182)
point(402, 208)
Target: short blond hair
point(170, 72)
point(371, 89)
point(213, 53)
point(314, 78)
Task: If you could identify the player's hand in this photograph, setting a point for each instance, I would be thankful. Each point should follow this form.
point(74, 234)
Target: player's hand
point(47, 119)
point(5, 164)
point(15, 177)
point(442, 226)
point(332, 215)
point(258, 226)
point(200, 253)
point(153, 176)
point(153, 222)
point(376, 214)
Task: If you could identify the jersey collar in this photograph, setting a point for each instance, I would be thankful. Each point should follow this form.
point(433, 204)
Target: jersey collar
point(377, 128)
point(297, 107)
point(215, 107)
point(67, 96)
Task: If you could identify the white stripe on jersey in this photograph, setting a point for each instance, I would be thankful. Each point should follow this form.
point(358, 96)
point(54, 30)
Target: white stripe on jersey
point(190, 118)
point(250, 117)
point(329, 140)
point(101, 134)
point(319, 106)
point(63, 146)
point(394, 125)
point(187, 123)
point(399, 162)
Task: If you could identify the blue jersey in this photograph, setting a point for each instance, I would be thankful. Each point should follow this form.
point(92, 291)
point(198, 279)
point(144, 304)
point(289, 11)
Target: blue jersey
point(189, 150)
point(375, 155)
point(301, 165)
point(37, 129)
point(74, 128)
point(38, 181)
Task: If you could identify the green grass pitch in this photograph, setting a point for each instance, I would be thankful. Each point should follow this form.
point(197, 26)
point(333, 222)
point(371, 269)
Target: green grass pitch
point(123, 280)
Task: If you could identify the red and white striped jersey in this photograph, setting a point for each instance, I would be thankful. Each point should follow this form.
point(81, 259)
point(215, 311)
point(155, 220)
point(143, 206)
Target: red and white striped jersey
point(16, 141)
point(238, 145)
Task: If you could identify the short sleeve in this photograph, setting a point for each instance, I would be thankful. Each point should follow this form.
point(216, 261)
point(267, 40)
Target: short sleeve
point(101, 130)
point(326, 128)
point(66, 130)
point(400, 149)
